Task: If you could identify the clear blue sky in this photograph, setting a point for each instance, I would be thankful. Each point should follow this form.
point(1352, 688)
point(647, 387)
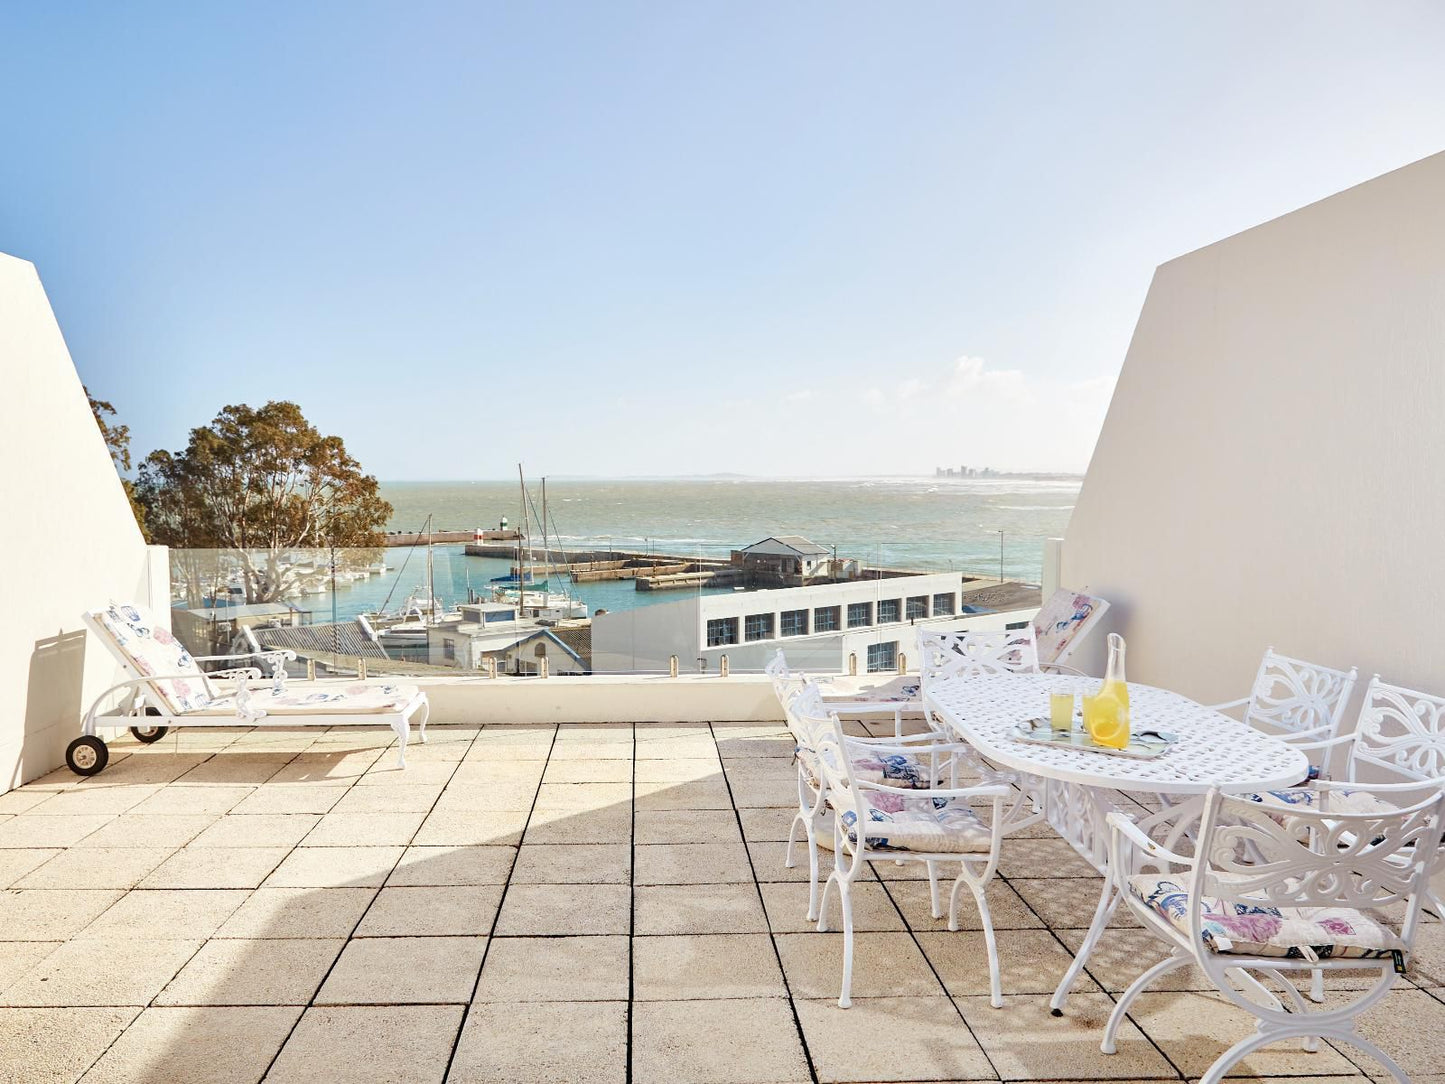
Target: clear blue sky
point(619, 238)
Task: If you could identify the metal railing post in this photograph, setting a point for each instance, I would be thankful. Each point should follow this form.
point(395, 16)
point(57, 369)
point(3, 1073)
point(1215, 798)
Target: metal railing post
point(672, 666)
point(723, 666)
point(542, 667)
point(852, 664)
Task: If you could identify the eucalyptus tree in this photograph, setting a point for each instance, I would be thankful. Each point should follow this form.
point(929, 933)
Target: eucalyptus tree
point(256, 483)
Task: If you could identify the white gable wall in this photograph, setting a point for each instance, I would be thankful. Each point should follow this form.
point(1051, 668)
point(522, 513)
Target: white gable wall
point(70, 542)
point(1272, 467)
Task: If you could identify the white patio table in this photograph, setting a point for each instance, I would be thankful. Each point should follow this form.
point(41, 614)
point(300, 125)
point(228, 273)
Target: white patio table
point(1080, 785)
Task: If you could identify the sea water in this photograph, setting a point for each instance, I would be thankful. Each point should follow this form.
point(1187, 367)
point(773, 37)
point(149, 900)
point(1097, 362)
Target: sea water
point(919, 523)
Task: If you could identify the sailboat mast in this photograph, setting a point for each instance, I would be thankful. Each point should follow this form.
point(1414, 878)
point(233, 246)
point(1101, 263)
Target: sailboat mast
point(524, 533)
point(431, 580)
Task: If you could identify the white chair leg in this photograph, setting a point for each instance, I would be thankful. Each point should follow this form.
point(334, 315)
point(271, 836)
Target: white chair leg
point(1317, 986)
point(792, 836)
point(823, 903)
point(845, 896)
point(995, 983)
point(1232, 1056)
point(1376, 1053)
point(812, 871)
point(421, 727)
point(1135, 988)
point(958, 884)
point(933, 888)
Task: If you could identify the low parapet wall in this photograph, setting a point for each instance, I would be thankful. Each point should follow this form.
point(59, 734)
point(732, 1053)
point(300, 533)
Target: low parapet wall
point(622, 698)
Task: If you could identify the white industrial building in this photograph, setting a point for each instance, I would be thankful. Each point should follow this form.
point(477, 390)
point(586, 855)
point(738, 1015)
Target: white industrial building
point(868, 625)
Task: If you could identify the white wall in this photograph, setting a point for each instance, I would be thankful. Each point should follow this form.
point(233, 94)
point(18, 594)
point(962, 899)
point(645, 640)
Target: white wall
point(1272, 467)
point(69, 544)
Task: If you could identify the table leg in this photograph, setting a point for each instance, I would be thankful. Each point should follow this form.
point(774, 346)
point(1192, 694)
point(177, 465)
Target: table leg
point(1108, 901)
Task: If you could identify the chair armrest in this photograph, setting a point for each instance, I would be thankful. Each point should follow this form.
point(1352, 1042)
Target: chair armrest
point(985, 790)
point(842, 706)
point(886, 745)
point(1121, 825)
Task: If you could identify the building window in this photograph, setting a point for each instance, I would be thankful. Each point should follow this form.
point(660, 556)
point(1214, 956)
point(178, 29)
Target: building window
point(449, 649)
point(888, 609)
point(882, 657)
point(794, 623)
point(942, 604)
point(825, 619)
point(917, 607)
point(758, 627)
point(860, 614)
point(1016, 625)
point(722, 631)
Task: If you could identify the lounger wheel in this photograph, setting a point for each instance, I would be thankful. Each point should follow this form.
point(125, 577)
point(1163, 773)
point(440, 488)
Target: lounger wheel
point(149, 734)
point(86, 755)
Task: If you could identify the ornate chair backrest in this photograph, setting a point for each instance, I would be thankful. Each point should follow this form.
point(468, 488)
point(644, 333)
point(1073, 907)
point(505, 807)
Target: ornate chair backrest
point(782, 678)
point(146, 649)
point(1400, 731)
point(1316, 858)
point(1298, 698)
point(808, 718)
point(969, 654)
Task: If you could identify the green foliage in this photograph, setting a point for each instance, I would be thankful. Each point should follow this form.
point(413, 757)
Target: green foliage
point(260, 481)
point(117, 442)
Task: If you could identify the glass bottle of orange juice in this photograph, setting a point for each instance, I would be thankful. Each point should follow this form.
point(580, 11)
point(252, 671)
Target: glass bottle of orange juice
point(1106, 714)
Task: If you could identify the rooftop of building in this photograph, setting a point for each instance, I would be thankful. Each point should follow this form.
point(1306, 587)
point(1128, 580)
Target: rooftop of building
point(584, 902)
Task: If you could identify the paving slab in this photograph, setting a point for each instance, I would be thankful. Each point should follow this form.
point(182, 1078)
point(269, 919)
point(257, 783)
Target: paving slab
point(466, 865)
point(692, 909)
point(552, 910)
point(675, 1043)
point(433, 911)
point(693, 967)
point(166, 915)
point(252, 972)
point(926, 1040)
point(395, 970)
point(216, 867)
point(298, 912)
point(335, 867)
point(525, 969)
point(548, 1043)
point(101, 972)
point(54, 1046)
point(51, 914)
point(368, 1044)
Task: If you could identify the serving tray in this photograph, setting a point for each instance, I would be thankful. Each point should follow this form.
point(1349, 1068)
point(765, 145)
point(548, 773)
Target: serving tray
point(1039, 732)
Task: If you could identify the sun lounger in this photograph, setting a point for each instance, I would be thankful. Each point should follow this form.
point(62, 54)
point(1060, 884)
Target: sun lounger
point(166, 687)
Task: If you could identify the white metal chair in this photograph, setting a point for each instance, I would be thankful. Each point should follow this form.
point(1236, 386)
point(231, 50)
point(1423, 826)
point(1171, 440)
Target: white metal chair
point(166, 688)
point(1263, 898)
point(914, 762)
point(1399, 744)
point(874, 821)
point(1299, 702)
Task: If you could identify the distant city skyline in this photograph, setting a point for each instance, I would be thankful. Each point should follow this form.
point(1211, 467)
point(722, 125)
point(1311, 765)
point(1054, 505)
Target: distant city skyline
point(647, 240)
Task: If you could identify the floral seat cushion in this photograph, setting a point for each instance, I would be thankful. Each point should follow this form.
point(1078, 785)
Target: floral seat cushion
point(890, 769)
point(301, 698)
point(900, 823)
point(150, 649)
point(1245, 928)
